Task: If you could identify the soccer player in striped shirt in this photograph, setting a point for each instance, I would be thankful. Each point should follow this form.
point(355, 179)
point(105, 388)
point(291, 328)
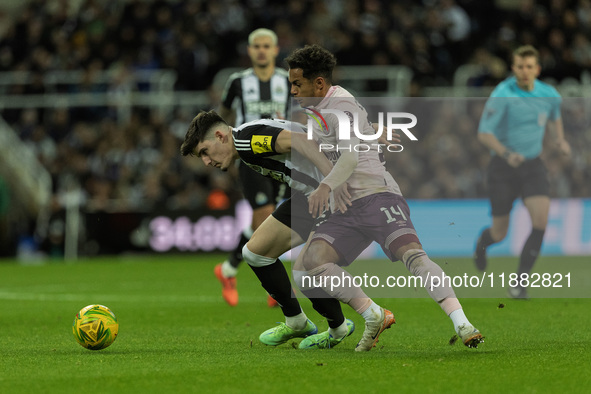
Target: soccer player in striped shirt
point(259, 92)
point(266, 147)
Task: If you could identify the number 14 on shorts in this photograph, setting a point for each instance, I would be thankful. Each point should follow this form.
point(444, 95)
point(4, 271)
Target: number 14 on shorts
point(392, 213)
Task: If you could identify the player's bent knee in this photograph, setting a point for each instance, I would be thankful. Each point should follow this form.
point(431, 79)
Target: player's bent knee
point(399, 251)
point(499, 235)
point(256, 260)
point(539, 223)
point(310, 261)
point(499, 229)
point(318, 253)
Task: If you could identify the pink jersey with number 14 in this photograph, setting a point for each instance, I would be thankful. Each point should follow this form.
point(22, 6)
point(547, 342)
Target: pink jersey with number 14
point(370, 176)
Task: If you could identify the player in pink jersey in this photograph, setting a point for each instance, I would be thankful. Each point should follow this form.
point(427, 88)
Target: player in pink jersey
point(369, 175)
point(378, 211)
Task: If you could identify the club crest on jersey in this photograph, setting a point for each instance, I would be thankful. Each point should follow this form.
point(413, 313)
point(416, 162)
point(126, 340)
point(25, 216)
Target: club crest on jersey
point(261, 144)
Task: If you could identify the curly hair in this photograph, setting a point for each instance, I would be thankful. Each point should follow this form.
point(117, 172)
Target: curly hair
point(314, 61)
point(198, 130)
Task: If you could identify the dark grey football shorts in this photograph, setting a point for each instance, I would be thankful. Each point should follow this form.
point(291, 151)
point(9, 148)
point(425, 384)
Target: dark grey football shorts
point(381, 217)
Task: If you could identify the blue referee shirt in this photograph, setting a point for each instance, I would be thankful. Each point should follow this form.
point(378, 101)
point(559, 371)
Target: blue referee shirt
point(518, 118)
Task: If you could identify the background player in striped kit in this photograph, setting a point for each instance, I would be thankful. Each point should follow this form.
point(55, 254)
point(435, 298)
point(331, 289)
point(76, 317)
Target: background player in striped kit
point(512, 126)
point(259, 92)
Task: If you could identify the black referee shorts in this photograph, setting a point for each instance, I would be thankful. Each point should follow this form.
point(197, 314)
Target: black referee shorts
point(294, 213)
point(506, 183)
point(260, 190)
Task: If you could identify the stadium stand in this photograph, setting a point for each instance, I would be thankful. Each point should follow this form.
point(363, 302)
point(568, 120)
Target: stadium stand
point(102, 91)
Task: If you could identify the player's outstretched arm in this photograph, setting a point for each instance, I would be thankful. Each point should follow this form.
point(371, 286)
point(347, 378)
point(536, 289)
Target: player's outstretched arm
point(335, 181)
point(287, 140)
point(319, 200)
point(342, 169)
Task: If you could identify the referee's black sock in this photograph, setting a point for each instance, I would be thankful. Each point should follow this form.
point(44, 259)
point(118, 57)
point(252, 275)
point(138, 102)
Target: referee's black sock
point(485, 239)
point(236, 256)
point(530, 251)
point(326, 306)
point(276, 282)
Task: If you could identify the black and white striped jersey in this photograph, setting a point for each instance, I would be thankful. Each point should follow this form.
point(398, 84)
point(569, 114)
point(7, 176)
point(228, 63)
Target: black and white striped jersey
point(255, 143)
point(253, 99)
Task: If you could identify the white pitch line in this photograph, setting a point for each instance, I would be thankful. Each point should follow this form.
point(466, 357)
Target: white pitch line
point(100, 298)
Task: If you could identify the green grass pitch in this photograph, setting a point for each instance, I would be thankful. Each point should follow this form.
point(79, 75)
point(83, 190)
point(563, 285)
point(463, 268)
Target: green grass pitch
point(177, 335)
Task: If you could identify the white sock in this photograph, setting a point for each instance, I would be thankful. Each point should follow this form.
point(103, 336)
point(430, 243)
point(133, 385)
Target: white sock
point(227, 270)
point(372, 313)
point(297, 322)
point(458, 319)
point(340, 331)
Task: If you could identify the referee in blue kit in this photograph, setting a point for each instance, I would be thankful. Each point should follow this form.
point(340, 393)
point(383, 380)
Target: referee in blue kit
point(512, 126)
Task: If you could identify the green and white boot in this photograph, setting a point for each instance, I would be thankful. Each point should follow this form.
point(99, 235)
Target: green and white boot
point(324, 340)
point(282, 333)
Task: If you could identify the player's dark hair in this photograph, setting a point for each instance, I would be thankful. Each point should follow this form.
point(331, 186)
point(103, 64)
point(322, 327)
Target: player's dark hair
point(314, 61)
point(198, 129)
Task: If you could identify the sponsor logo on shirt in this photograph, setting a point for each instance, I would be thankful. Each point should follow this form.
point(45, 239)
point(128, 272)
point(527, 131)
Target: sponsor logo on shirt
point(264, 107)
point(261, 144)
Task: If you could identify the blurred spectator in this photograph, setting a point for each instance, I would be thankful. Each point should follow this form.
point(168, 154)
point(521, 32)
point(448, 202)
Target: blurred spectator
point(187, 35)
point(134, 163)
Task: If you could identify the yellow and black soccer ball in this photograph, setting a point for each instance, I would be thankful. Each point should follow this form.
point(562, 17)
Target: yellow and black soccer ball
point(95, 327)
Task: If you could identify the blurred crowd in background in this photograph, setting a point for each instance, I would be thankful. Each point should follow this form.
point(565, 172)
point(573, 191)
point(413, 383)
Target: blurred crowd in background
point(135, 163)
point(197, 38)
